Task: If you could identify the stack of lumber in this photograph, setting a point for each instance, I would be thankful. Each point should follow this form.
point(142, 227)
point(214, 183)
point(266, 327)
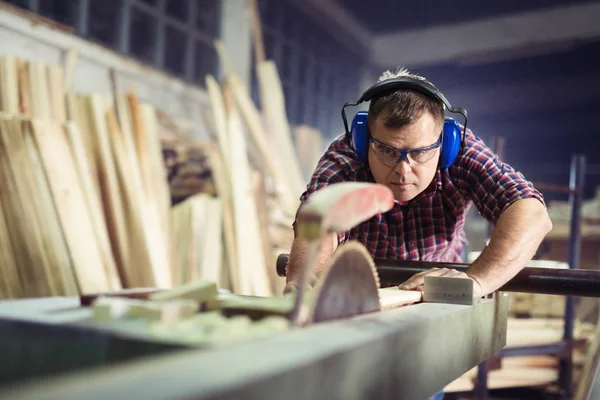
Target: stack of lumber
point(532, 370)
point(107, 192)
point(88, 205)
point(560, 214)
point(538, 305)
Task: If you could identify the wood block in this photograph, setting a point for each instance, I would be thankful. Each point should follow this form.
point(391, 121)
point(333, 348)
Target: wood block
point(203, 292)
point(393, 297)
point(110, 308)
point(168, 311)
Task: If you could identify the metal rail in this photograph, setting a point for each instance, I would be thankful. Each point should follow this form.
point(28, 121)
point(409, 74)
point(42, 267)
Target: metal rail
point(565, 282)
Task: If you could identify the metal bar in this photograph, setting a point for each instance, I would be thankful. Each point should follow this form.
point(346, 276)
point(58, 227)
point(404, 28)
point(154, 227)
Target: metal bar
point(555, 188)
point(576, 185)
point(190, 45)
point(34, 6)
point(83, 16)
point(411, 352)
point(480, 391)
point(124, 26)
point(556, 349)
point(583, 283)
point(159, 39)
point(174, 22)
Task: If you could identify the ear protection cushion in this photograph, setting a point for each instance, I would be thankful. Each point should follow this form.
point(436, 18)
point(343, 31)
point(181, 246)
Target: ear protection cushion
point(358, 133)
point(451, 142)
point(451, 139)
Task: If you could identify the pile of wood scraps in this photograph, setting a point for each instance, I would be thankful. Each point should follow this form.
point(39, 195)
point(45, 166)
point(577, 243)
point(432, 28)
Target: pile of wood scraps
point(532, 370)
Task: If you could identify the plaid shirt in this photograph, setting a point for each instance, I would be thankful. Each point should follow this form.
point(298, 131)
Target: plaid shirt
point(431, 226)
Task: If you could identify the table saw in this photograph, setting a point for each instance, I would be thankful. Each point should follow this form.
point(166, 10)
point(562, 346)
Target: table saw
point(410, 352)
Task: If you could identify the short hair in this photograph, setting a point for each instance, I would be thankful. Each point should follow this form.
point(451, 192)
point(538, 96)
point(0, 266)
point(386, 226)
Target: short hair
point(404, 106)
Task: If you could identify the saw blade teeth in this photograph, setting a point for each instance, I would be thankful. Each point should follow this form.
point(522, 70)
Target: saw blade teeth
point(359, 247)
point(349, 285)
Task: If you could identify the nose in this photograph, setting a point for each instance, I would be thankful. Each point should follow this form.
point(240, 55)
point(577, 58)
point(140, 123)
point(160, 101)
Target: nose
point(403, 167)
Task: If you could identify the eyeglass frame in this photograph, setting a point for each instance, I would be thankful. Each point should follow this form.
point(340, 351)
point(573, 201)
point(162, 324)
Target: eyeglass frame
point(404, 153)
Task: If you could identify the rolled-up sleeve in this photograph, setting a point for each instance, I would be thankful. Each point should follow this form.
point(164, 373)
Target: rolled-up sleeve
point(489, 182)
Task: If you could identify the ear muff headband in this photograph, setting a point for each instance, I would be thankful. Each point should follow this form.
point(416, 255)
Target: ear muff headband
point(451, 136)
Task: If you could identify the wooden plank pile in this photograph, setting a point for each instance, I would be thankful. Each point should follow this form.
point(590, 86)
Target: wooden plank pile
point(560, 214)
point(87, 210)
point(103, 193)
point(533, 370)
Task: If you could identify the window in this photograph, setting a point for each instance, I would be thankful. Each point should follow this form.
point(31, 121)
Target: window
point(173, 35)
point(318, 73)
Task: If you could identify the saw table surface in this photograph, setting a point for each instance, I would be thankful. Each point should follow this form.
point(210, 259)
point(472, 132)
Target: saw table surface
point(409, 352)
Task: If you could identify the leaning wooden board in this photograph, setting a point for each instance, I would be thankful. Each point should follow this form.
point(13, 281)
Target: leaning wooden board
point(70, 202)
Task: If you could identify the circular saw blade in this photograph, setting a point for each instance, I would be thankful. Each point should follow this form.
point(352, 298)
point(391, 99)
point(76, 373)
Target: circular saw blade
point(350, 286)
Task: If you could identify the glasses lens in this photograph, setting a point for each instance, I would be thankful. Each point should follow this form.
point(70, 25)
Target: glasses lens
point(387, 154)
point(421, 156)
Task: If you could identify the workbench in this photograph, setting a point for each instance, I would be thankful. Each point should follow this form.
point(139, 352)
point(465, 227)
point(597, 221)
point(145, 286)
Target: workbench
point(410, 352)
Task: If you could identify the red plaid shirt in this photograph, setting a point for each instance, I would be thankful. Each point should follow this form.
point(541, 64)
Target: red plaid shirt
point(431, 226)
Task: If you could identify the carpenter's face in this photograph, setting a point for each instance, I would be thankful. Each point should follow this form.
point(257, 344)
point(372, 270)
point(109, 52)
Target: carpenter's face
point(405, 176)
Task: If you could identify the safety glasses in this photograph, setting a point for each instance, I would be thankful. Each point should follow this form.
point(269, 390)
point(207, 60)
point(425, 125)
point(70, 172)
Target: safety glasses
point(391, 155)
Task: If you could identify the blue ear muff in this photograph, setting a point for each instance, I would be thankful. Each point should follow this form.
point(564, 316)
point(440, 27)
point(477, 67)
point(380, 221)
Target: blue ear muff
point(451, 141)
point(359, 137)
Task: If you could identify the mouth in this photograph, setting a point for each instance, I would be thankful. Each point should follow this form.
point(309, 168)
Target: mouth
point(402, 185)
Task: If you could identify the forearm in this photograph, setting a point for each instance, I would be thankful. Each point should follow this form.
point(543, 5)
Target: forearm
point(514, 241)
point(298, 256)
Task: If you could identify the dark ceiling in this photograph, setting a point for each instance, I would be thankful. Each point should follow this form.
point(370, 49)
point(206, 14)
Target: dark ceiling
point(382, 16)
point(547, 107)
point(544, 101)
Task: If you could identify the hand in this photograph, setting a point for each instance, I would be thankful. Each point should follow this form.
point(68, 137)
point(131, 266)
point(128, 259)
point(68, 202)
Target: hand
point(417, 281)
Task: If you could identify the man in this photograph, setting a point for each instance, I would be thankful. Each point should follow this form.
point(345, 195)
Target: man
point(403, 143)
point(427, 221)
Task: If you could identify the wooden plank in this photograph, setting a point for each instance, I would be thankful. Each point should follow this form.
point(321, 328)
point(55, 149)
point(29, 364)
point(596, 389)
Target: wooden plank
point(148, 264)
point(9, 93)
point(40, 251)
point(211, 255)
point(56, 92)
point(104, 165)
point(290, 195)
point(10, 284)
point(254, 279)
point(70, 61)
point(223, 183)
point(276, 121)
point(393, 297)
point(222, 172)
point(71, 205)
point(90, 191)
point(39, 96)
point(24, 89)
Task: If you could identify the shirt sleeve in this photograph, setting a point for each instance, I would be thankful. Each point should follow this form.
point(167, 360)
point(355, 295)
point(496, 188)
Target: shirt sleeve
point(490, 183)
